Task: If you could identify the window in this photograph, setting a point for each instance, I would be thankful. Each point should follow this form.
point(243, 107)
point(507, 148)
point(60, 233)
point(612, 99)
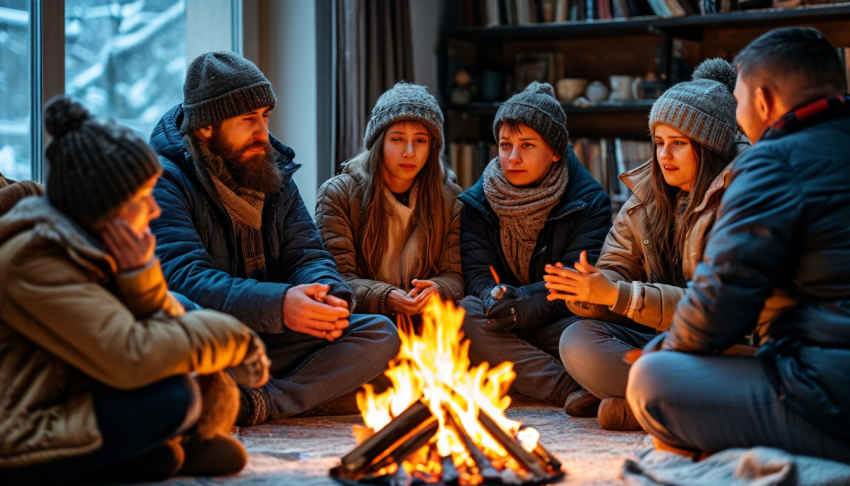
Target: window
point(126, 58)
point(15, 160)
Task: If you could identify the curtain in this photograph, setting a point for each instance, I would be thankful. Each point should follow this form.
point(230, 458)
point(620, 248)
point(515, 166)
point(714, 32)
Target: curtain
point(373, 51)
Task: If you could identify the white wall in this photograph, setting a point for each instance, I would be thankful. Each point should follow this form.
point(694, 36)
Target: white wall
point(424, 26)
point(291, 68)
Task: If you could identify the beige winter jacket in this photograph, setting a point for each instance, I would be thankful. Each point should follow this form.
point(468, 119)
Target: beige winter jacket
point(629, 255)
point(340, 222)
point(67, 319)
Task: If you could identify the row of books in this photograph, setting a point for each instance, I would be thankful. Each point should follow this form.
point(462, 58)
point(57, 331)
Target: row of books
point(607, 158)
point(493, 13)
point(468, 160)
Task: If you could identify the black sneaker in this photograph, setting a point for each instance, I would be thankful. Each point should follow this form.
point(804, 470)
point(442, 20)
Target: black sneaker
point(581, 403)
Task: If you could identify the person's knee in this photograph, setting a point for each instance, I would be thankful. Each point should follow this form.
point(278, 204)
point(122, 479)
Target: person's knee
point(381, 332)
point(182, 398)
point(576, 346)
point(651, 392)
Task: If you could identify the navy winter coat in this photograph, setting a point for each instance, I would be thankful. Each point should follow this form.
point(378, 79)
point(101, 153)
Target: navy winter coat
point(784, 224)
point(197, 248)
point(579, 221)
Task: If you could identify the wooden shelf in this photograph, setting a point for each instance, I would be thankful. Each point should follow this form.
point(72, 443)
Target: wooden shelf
point(688, 27)
point(637, 106)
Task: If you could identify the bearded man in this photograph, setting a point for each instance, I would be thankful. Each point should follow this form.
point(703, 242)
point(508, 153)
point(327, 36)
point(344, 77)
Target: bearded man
point(235, 236)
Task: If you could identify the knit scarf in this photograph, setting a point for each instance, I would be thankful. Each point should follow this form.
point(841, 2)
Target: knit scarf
point(405, 244)
point(243, 205)
point(522, 211)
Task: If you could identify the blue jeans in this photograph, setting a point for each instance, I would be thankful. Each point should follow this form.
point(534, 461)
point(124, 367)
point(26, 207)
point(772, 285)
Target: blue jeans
point(592, 352)
point(710, 403)
point(540, 375)
point(308, 372)
point(131, 423)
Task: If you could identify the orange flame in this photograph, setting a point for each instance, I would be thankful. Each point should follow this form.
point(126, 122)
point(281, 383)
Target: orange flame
point(434, 366)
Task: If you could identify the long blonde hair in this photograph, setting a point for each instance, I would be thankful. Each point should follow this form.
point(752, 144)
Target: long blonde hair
point(432, 213)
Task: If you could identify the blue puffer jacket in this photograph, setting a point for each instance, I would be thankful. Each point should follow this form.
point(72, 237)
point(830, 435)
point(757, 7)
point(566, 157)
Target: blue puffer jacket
point(784, 224)
point(579, 221)
point(197, 248)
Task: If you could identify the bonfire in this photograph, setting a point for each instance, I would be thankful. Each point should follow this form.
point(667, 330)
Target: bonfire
point(442, 420)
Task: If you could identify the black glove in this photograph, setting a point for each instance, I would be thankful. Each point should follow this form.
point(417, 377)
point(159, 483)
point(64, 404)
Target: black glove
point(500, 305)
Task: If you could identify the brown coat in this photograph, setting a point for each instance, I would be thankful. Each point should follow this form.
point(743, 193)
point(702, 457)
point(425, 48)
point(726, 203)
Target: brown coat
point(67, 319)
point(629, 254)
point(340, 222)
point(11, 192)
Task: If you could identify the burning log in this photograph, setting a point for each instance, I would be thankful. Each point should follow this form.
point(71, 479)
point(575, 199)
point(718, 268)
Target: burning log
point(355, 463)
point(485, 469)
point(522, 456)
point(427, 441)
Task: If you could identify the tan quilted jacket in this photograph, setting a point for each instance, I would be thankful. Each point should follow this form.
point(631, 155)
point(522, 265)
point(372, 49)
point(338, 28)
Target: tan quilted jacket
point(629, 254)
point(67, 319)
point(340, 222)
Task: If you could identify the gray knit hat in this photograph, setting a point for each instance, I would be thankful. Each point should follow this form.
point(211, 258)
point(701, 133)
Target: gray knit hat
point(405, 102)
point(537, 108)
point(94, 167)
point(702, 109)
point(222, 85)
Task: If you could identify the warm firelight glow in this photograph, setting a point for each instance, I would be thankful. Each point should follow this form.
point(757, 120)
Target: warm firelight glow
point(434, 365)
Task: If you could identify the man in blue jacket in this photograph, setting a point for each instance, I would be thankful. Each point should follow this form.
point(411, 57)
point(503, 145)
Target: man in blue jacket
point(534, 205)
point(783, 226)
point(235, 236)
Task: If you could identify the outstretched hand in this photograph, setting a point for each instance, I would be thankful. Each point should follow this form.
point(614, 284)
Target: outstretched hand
point(585, 283)
point(310, 310)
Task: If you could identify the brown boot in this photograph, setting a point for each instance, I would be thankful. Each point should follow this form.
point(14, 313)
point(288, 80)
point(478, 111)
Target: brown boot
point(219, 456)
point(616, 414)
point(581, 403)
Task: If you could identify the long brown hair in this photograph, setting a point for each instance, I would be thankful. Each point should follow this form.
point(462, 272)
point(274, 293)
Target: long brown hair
point(433, 206)
point(668, 233)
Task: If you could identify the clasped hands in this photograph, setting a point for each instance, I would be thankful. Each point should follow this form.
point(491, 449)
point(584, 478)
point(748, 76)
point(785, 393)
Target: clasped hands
point(413, 302)
point(309, 309)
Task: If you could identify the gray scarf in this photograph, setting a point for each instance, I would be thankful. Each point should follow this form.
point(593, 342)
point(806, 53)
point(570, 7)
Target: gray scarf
point(522, 211)
point(243, 205)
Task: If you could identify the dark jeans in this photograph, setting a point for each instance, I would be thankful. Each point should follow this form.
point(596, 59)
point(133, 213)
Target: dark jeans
point(540, 375)
point(592, 352)
point(308, 372)
point(716, 402)
point(131, 422)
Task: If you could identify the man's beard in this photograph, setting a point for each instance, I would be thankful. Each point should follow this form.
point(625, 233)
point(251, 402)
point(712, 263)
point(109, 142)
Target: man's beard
point(258, 171)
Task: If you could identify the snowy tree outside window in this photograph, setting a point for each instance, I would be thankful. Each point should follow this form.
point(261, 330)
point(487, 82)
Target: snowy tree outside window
point(126, 58)
point(15, 89)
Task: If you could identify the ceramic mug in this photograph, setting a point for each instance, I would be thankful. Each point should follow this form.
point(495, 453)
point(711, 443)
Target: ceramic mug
point(569, 89)
point(597, 91)
point(622, 88)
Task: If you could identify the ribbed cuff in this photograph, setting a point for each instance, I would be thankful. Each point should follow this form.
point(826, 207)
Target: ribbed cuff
point(253, 407)
point(624, 293)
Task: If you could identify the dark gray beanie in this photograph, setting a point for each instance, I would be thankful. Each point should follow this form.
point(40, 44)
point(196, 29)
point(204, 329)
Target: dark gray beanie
point(702, 109)
point(94, 167)
point(222, 85)
point(537, 107)
point(405, 102)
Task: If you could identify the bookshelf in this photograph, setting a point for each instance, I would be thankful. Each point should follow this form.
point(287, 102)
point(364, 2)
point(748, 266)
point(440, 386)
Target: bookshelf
point(668, 47)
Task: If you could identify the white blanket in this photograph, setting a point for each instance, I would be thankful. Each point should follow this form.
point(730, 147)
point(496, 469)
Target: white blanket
point(760, 466)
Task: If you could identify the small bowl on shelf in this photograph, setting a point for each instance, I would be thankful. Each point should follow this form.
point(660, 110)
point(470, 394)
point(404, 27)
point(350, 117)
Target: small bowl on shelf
point(568, 89)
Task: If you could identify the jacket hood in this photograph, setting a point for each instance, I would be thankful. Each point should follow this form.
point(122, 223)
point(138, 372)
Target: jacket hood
point(51, 225)
point(166, 141)
point(639, 179)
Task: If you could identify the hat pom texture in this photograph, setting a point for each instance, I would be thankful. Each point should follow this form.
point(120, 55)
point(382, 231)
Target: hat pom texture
point(62, 115)
point(717, 70)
